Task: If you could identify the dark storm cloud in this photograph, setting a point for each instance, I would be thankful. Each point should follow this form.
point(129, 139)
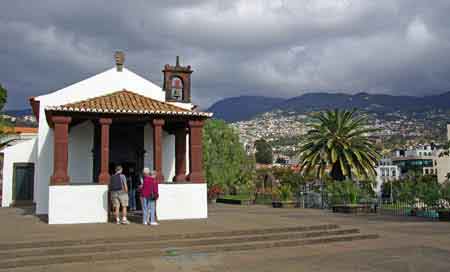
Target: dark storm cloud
point(272, 47)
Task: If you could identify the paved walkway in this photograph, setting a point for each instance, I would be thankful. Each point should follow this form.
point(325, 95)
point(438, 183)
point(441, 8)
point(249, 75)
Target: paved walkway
point(406, 244)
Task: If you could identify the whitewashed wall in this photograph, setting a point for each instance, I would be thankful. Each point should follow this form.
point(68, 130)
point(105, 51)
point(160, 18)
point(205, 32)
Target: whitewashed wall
point(22, 152)
point(44, 163)
point(73, 204)
point(168, 162)
point(148, 146)
point(182, 201)
point(104, 83)
point(187, 155)
point(81, 142)
point(443, 168)
point(100, 84)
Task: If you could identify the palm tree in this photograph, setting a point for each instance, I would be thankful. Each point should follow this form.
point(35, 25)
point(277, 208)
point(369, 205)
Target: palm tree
point(337, 144)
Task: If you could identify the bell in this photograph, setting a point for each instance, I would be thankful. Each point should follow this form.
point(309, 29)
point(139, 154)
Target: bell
point(176, 93)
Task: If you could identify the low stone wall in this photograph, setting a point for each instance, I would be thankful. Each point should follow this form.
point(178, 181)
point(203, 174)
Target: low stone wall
point(182, 201)
point(73, 204)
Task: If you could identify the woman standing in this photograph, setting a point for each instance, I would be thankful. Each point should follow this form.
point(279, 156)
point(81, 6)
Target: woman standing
point(149, 194)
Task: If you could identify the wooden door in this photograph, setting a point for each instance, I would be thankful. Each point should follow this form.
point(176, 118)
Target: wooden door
point(23, 183)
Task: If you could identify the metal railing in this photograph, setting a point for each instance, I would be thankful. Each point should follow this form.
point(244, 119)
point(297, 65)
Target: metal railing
point(400, 208)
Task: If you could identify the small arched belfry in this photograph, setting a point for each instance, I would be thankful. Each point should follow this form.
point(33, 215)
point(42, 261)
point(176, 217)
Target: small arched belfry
point(177, 82)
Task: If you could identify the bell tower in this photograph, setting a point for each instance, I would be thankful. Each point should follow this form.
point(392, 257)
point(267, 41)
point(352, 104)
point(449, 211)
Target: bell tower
point(177, 82)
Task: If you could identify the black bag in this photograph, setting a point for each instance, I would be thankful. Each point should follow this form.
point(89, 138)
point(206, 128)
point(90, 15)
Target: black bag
point(116, 183)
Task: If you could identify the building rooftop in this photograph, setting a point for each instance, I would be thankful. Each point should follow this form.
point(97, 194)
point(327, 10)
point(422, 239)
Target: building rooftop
point(125, 101)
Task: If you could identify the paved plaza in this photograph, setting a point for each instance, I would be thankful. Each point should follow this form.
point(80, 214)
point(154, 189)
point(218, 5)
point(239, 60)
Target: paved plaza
point(404, 243)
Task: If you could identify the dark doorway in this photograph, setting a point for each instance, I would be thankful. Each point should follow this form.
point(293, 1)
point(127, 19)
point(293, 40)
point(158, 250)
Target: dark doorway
point(126, 147)
point(23, 183)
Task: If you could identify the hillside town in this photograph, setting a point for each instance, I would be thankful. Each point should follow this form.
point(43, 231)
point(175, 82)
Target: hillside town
point(409, 142)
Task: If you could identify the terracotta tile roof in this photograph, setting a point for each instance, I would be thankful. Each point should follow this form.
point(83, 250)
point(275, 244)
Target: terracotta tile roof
point(126, 102)
point(19, 130)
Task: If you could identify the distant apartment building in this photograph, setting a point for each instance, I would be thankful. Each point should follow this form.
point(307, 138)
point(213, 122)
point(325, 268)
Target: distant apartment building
point(442, 162)
point(424, 159)
point(418, 159)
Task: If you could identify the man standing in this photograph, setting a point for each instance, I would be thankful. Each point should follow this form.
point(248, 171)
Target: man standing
point(119, 195)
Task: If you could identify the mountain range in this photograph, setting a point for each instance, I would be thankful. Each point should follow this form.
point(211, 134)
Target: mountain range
point(245, 107)
point(18, 113)
point(240, 108)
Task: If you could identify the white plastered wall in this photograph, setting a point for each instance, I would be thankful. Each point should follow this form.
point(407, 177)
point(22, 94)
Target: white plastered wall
point(148, 146)
point(443, 168)
point(100, 84)
point(44, 162)
point(22, 152)
point(81, 142)
point(182, 201)
point(168, 161)
point(168, 153)
point(73, 204)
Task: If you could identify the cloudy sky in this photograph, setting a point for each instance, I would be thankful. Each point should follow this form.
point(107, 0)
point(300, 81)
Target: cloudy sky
point(236, 47)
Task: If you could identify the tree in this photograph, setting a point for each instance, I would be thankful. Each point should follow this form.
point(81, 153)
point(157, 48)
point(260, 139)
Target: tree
point(337, 144)
point(263, 152)
point(3, 97)
point(225, 161)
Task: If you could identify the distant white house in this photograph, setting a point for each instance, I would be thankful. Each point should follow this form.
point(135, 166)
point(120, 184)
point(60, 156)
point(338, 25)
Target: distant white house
point(386, 171)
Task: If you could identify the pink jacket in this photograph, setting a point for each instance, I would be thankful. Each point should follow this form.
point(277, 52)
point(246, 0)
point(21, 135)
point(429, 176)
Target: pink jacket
point(149, 188)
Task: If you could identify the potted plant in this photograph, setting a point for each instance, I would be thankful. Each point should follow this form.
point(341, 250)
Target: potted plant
point(282, 197)
point(213, 193)
point(345, 197)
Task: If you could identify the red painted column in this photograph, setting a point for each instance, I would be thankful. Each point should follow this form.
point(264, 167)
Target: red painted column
point(60, 150)
point(180, 154)
point(196, 152)
point(157, 148)
point(103, 178)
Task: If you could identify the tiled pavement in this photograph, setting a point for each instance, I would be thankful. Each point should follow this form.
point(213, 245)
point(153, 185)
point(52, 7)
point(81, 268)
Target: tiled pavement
point(405, 244)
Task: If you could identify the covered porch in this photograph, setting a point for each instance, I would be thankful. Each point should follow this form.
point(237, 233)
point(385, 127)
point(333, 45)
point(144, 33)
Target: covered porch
point(92, 136)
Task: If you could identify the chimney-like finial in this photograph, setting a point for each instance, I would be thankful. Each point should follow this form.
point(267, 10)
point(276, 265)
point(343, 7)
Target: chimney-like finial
point(120, 59)
point(178, 61)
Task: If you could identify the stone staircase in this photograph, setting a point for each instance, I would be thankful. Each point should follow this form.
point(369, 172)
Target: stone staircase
point(26, 254)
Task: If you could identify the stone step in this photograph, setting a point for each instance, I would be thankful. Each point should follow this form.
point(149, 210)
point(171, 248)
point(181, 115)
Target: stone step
point(150, 237)
point(132, 254)
point(144, 245)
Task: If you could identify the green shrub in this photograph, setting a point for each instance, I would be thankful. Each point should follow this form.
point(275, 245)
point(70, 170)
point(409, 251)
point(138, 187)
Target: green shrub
point(445, 191)
point(429, 193)
point(286, 192)
point(343, 192)
point(282, 193)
